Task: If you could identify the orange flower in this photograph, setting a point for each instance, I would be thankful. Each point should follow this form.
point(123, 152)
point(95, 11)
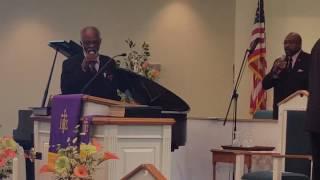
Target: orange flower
point(155, 73)
point(7, 137)
point(80, 171)
point(2, 162)
point(10, 153)
point(96, 144)
point(145, 65)
point(45, 169)
point(108, 155)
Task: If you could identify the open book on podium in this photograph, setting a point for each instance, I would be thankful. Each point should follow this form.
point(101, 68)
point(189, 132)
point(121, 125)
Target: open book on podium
point(106, 107)
point(96, 106)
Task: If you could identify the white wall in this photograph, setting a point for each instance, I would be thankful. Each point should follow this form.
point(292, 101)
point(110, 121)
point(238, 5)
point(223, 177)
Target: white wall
point(282, 17)
point(188, 38)
point(194, 161)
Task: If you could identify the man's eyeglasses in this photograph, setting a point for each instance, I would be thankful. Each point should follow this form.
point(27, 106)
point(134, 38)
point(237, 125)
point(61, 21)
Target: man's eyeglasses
point(88, 42)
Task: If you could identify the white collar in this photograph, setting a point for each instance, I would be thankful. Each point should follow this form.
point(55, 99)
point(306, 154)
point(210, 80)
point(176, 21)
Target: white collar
point(294, 57)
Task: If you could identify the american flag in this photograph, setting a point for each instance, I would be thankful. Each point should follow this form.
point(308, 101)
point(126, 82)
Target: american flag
point(257, 62)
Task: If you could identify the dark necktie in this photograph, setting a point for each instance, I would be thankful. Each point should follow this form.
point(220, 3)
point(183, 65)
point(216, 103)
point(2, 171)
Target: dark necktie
point(289, 64)
point(92, 68)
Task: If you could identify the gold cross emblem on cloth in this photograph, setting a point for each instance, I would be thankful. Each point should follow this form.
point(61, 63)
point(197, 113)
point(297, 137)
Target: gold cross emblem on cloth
point(64, 121)
point(85, 126)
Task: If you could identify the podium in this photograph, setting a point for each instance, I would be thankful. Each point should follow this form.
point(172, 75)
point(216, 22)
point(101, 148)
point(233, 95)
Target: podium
point(136, 140)
point(294, 139)
point(295, 102)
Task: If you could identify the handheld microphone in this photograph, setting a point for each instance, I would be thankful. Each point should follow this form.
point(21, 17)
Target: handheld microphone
point(101, 70)
point(253, 45)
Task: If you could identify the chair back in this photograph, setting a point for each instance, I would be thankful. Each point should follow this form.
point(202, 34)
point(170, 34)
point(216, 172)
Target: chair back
point(297, 143)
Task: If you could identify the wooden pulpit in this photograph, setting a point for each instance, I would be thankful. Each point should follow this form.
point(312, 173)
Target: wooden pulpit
point(294, 139)
point(135, 141)
point(295, 102)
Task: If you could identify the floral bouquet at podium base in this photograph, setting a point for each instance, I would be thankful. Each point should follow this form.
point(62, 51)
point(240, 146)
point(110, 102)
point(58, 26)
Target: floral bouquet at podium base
point(72, 163)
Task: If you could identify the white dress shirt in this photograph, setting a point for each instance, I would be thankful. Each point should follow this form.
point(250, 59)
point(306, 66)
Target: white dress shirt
point(294, 58)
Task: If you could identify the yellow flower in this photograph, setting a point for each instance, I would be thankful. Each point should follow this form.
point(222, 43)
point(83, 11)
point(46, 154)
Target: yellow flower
point(86, 150)
point(8, 143)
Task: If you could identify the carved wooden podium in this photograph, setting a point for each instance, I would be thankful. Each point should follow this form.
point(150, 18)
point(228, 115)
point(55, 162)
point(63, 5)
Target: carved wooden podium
point(135, 140)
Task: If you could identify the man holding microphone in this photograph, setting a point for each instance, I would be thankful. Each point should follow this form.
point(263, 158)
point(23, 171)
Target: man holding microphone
point(289, 72)
point(78, 70)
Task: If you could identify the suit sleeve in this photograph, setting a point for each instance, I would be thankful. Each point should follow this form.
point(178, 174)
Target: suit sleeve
point(73, 78)
point(269, 81)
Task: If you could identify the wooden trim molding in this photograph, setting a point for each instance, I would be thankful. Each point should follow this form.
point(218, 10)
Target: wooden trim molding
point(148, 167)
point(231, 120)
point(299, 92)
point(103, 101)
point(40, 118)
point(308, 157)
point(242, 152)
point(105, 120)
point(102, 120)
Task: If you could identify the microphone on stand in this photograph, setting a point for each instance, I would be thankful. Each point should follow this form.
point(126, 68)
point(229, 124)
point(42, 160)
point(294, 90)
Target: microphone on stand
point(119, 55)
point(235, 95)
point(101, 70)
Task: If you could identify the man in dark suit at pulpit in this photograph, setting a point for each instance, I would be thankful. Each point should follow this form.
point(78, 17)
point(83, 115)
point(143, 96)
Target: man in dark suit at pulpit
point(289, 72)
point(79, 69)
point(93, 74)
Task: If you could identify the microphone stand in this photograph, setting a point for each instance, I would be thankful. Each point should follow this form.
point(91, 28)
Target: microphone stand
point(49, 80)
point(235, 95)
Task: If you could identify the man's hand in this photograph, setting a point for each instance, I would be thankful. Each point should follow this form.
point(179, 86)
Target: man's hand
point(278, 66)
point(89, 61)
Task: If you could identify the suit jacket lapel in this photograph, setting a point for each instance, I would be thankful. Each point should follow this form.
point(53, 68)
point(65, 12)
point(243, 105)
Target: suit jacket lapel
point(298, 62)
point(102, 61)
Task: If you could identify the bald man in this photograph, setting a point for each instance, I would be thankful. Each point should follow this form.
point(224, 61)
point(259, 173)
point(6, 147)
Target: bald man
point(289, 72)
point(78, 70)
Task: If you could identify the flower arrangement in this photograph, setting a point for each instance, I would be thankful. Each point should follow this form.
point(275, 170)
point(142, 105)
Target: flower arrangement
point(138, 60)
point(74, 163)
point(8, 151)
